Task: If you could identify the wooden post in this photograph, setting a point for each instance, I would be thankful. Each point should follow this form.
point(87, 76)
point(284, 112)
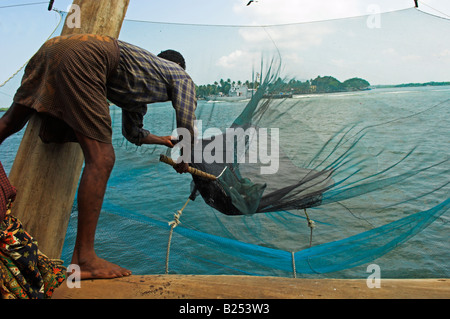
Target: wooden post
point(46, 175)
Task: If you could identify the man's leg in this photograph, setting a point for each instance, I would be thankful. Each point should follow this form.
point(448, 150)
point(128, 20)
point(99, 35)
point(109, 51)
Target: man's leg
point(14, 120)
point(99, 162)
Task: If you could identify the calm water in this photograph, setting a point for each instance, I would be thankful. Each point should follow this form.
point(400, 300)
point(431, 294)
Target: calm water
point(143, 194)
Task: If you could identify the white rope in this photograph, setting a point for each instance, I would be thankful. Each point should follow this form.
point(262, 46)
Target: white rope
point(311, 225)
point(173, 224)
point(294, 271)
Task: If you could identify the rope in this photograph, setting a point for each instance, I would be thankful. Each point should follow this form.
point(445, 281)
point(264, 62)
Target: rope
point(443, 13)
point(22, 5)
point(173, 224)
point(176, 220)
point(294, 271)
point(255, 26)
point(311, 225)
point(20, 69)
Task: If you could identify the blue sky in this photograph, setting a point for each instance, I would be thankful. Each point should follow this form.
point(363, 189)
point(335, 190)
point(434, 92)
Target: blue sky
point(307, 49)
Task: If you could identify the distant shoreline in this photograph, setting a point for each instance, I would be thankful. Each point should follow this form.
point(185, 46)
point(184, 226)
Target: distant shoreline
point(406, 85)
point(377, 86)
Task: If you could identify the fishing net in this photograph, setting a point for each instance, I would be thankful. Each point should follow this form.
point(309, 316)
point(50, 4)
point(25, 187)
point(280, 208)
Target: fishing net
point(311, 174)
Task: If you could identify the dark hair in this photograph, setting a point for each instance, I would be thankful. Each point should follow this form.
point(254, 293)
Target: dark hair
point(173, 56)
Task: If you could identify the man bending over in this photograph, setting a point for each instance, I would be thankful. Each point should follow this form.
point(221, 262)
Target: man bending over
point(69, 83)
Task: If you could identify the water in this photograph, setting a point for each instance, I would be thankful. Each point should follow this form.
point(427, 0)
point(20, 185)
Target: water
point(143, 194)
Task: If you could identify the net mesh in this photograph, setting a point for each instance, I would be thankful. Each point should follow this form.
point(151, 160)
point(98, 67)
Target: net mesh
point(341, 176)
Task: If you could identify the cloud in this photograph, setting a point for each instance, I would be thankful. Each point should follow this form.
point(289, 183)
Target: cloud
point(286, 37)
point(231, 60)
point(238, 58)
point(237, 65)
point(394, 55)
point(444, 55)
point(400, 51)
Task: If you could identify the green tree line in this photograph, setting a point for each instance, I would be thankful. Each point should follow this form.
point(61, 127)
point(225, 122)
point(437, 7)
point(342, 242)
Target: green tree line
point(326, 84)
point(221, 87)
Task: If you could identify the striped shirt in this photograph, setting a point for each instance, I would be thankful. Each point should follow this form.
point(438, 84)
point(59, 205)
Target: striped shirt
point(143, 78)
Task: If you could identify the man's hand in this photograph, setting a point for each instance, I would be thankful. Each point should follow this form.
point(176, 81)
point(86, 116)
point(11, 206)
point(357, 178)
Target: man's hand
point(181, 167)
point(167, 141)
point(161, 140)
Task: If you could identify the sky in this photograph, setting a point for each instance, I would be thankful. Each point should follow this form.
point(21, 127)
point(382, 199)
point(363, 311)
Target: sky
point(228, 39)
point(267, 12)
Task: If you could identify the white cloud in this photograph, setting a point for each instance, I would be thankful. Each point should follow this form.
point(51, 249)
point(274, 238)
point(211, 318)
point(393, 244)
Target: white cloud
point(443, 55)
point(286, 37)
point(389, 52)
point(238, 64)
point(231, 60)
point(401, 57)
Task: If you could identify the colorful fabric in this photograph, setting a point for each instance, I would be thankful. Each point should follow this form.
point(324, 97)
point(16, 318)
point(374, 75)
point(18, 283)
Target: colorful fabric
point(25, 273)
point(143, 78)
point(65, 82)
point(7, 193)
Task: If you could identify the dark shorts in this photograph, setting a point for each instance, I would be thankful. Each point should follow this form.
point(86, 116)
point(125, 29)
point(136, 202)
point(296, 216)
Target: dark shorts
point(65, 82)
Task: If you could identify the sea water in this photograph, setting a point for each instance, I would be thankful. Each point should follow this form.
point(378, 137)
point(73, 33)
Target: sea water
point(143, 194)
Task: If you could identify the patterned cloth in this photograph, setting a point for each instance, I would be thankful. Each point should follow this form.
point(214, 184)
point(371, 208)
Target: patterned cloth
point(7, 193)
point(143, 78)
point(25, 273)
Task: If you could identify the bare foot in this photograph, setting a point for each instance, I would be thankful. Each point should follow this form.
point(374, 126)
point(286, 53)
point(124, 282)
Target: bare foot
point(98, 268)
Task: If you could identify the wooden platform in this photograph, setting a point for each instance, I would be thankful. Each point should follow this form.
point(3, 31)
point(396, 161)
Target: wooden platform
point(246, 287)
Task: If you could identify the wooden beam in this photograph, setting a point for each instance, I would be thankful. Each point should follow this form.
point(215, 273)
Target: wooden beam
point(178, 287)
point(103, 17)
point(46, 175)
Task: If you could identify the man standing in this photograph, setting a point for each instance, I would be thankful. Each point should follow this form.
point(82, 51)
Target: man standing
point(69, 83)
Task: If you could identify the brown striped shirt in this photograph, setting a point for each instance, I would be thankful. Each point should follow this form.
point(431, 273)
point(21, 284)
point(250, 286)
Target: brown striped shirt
point(143, 78)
